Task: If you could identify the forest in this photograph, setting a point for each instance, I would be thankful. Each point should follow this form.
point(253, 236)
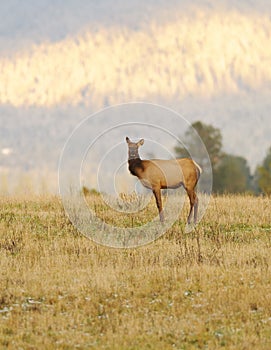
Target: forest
point(231, 173)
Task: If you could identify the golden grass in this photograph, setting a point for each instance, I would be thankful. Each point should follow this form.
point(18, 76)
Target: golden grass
point(210, 288)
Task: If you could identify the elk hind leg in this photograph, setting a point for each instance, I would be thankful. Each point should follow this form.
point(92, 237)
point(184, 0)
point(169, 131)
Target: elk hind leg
point(193, 205)
point(196, 205)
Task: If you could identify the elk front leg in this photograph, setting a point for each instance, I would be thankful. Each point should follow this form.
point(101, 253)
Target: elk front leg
point(157, 195)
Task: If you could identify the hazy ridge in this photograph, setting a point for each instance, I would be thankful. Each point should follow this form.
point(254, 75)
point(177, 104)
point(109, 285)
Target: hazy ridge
point(206, 55)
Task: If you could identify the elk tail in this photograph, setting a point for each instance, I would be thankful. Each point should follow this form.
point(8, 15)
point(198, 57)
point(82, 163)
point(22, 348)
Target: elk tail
point(198, 169)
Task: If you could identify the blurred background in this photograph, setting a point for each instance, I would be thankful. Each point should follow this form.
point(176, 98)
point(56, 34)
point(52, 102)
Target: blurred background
point(61, 61)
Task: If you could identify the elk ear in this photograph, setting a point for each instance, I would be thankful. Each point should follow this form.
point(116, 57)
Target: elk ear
point(127, 139)
point(140, 142)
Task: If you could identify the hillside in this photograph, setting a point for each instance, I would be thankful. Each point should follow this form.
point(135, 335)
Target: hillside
point(207, 54)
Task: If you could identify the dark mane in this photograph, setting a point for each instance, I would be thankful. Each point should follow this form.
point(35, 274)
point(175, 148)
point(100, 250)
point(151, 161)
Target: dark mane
point(135, 165)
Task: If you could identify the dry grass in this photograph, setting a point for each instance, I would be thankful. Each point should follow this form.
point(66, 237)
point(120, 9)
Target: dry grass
point(207, 289)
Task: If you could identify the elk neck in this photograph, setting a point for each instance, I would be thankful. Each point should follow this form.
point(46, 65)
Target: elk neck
point(135, 163)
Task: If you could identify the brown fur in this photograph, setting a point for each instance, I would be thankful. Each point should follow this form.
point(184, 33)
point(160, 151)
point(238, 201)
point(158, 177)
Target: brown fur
point(157, 174)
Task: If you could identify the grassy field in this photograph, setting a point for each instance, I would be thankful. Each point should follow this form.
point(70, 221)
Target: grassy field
point(207, 289)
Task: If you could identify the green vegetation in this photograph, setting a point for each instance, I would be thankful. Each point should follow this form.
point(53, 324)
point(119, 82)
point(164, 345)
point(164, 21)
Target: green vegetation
point(210, 136)
point(210, 288)
point(231, 173)
point(263, 174)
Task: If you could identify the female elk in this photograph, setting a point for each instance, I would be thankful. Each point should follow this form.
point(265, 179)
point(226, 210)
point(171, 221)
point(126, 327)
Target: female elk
point(157, 174)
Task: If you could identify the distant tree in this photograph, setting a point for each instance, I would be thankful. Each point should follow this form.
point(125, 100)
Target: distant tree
point(232, 175)
point(88, 192)
point(211, 138)
point(263, 174)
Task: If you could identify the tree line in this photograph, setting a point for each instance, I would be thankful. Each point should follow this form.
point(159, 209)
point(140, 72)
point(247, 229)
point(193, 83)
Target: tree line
point(231, 173)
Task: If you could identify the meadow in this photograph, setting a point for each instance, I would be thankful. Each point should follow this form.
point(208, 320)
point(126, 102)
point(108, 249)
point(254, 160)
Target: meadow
point(207, 289)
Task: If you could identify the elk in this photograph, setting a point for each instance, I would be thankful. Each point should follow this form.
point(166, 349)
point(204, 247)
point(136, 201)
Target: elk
point(157, 174)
